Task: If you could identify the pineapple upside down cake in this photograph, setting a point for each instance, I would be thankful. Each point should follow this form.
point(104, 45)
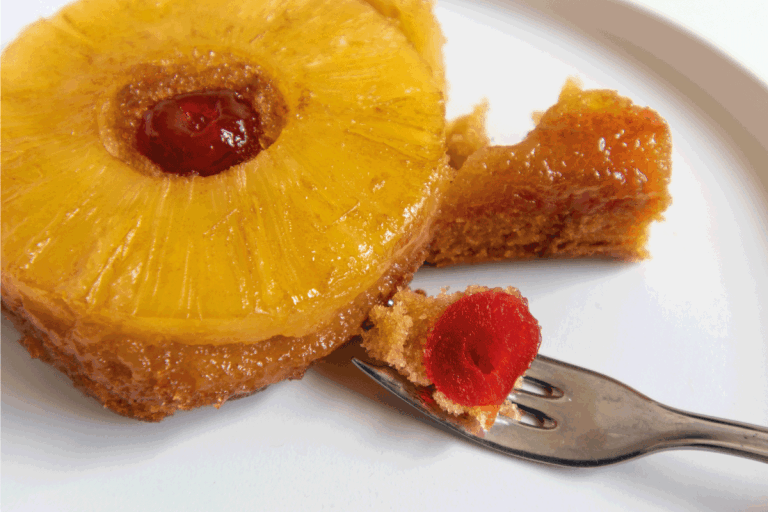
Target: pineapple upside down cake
point(200, 198)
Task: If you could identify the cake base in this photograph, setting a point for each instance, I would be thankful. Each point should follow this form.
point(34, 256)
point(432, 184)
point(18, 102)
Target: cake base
point(139, 379)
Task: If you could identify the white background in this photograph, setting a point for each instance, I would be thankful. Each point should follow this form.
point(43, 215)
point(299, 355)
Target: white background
point(688, 327)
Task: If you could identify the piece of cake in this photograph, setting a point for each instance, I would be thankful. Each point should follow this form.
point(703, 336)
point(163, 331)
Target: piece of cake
point(587, 181)
point(466, 348)
point(200, 198)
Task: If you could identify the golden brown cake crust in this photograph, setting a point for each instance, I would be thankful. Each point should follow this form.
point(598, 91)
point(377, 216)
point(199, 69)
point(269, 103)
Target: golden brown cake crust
point(587, 181)
point(149, 382)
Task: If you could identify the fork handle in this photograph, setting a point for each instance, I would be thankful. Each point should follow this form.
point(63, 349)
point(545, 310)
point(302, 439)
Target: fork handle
point(697, 431)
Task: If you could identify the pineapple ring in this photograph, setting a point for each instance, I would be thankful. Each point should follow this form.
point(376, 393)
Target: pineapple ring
point(121, 110)
point(108, 265)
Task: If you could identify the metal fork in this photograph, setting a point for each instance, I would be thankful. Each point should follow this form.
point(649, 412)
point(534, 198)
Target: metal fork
point(576, 417)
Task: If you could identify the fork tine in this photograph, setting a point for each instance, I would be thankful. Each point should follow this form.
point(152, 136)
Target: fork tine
point(537, 404)
point(548, 382)
point(516, 441)
point(572, 381)
point(552, 372)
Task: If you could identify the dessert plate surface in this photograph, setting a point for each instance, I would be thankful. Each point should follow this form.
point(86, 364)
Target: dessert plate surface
point(688, 327)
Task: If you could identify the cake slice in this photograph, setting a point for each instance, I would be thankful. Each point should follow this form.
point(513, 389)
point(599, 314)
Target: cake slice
point(200, 198)
point(587, 181)
point(467, 349)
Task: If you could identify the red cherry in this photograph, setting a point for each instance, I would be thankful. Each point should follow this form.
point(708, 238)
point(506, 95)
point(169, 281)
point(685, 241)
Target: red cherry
point(480, 346)
point(202, 132)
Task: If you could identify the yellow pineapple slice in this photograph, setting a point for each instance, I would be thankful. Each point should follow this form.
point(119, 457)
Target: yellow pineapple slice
point(158, 292)
point(414, 18)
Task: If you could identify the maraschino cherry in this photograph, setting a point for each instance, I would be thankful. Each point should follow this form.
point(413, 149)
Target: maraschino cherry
point(201, 133)
point(480, 346)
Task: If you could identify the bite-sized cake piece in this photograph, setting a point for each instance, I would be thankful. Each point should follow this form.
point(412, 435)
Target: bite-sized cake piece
point(202, 197)
point(587, 181)
point(468, 348)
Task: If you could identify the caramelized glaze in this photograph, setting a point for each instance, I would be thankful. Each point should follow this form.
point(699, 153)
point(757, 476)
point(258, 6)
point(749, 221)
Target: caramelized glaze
point(587, 181)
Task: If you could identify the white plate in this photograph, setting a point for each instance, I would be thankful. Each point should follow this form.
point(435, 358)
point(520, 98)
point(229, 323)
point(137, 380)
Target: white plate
point(688, 327)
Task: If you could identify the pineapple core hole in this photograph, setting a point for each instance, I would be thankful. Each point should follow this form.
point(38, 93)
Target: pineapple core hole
point(192, 117)
point(202, 132)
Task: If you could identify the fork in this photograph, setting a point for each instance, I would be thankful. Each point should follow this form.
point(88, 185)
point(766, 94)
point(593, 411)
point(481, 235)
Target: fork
point(571, 416)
